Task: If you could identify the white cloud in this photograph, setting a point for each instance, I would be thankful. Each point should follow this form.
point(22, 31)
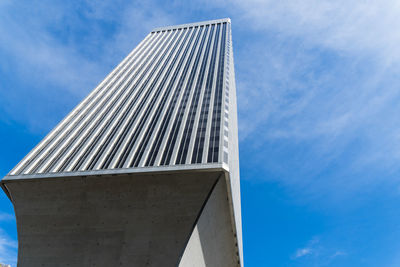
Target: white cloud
point(311, 248)
point(302, 252)
point(356, 25)
point(8, 249)
point(318, 252)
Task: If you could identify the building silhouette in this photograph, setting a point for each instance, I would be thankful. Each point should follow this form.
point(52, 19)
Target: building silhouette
point(145, 170)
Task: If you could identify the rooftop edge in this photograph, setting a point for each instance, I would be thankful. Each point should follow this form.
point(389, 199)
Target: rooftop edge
point(227, 20)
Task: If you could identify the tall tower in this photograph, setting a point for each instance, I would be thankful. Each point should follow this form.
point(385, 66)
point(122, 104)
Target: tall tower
point(145, 170)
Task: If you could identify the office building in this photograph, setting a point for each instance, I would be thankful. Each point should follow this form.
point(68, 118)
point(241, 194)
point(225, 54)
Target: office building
point(145, 170)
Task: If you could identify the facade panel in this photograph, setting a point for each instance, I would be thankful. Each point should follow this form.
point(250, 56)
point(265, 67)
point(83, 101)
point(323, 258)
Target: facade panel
point(170, 88)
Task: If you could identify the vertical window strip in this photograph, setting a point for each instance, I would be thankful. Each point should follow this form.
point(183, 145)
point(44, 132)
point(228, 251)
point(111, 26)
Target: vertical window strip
point(225, 157)
point(107, 132)
point(52, 154)
point(166, 158)
point(116, 147)
point(110, 101)
point(141, 83)
point(113, 101)
point(142, 113)
point(106, 117)
point(183, 148)
point(160, 136)
point(157, 86)
point(201, 129)
point(216, 118)
point(77, 111)
point(160, 108)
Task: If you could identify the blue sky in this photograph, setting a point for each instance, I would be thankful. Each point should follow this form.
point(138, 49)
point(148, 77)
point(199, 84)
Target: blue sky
point(318, 105)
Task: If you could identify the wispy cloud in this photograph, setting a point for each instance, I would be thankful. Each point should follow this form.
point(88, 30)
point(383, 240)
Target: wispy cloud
point(8, 249)
point(319, 56)
point(302, 252)
point(338, 254)
point(362, 27)
point(317, 252)
point(317, 80)
point(310, 248)
point(65, 49)
point(325, 65)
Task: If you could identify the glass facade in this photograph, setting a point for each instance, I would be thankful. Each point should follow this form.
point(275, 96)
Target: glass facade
point(166, 103)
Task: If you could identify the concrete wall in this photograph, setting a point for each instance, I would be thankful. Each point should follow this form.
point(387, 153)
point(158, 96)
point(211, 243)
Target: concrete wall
point(234, 172)
point(126, 220)
point(212, 243)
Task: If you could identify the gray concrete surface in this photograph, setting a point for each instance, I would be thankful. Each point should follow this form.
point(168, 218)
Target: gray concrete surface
point(212, 243)
point(122, 220)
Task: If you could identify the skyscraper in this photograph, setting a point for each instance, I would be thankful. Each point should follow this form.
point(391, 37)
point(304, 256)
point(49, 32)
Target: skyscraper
point(145, 170)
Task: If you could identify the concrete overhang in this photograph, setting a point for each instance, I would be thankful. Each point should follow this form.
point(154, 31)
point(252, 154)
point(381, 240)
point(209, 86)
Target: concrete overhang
point(12, 184)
